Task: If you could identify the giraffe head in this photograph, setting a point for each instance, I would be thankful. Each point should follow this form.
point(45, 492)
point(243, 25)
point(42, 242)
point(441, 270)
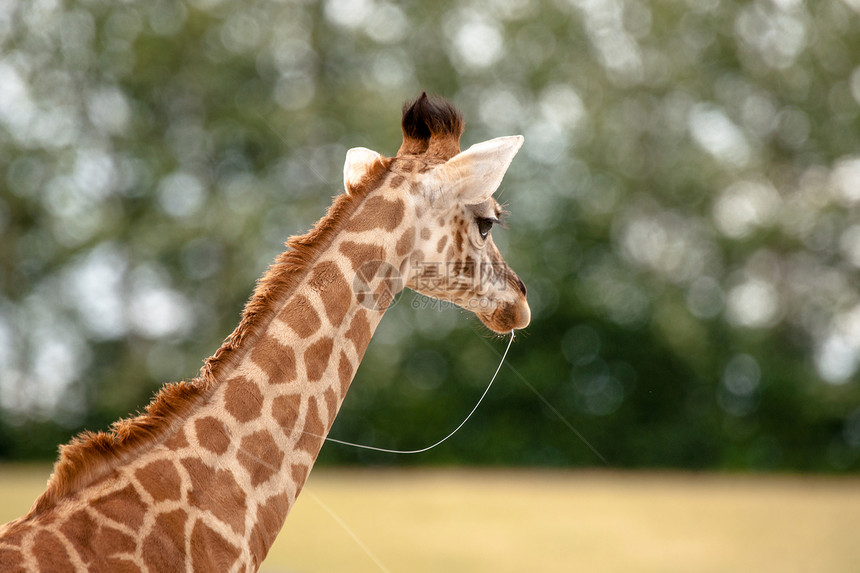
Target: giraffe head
point(449, 195)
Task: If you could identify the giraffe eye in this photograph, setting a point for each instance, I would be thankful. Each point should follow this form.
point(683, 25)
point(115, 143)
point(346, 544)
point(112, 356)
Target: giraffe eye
point(484, 225)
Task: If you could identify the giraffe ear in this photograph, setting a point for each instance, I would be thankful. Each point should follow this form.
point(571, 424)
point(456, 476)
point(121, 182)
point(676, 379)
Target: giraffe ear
point(359, 161)
point(475, 174)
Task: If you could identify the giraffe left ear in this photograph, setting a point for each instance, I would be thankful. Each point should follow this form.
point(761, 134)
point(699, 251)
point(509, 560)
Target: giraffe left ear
point(476, 173)
point(359, 161)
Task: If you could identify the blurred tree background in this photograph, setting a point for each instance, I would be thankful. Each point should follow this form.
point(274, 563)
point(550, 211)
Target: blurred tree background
point(684, 213)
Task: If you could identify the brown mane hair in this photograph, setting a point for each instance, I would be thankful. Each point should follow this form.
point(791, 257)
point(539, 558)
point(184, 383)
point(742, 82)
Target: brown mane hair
point(93, 455)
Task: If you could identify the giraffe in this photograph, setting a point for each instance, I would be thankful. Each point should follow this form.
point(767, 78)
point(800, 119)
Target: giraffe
point(203, 480)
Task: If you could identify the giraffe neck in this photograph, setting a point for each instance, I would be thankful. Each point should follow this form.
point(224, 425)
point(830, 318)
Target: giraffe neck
point(259, 434)
point(205, 479)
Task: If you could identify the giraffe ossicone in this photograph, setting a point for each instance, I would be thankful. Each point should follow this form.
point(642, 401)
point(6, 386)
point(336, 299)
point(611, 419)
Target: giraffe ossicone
point(206, 476)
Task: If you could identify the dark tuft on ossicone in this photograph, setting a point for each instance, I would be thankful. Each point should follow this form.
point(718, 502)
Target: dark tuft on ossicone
point(414, 121)
point(431, 116)
point(431, 123)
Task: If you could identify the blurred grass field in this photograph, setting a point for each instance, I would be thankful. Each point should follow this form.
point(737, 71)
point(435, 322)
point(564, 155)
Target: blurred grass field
point(521, 520)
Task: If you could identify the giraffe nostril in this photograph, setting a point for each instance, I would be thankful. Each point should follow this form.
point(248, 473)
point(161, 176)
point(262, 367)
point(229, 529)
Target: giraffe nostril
point(521, 285)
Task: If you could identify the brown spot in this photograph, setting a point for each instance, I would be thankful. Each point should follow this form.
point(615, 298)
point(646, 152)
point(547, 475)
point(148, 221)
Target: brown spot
point(51, 554)
point(450, 255)
point(377, 213)
point(164, 547)
point(285, 411)
point(177, 441)
point(270, 519)
point(316, 358)
point(277, 360)
point(79, 529)
point(217, 492)
point(109, 541)
point(299, 315)
point(425, 234)
point(359, 332)
point(123, 506)
point(161, 479)
point(10, 559)
point(361, 253)
point(405, 242)
point(322, 273)
point(336, 294)
point(313, 432)
point(458, 240)
point(299, 473)
point(212, 434)
point(261, 457)
point(397, 181)
point(331, 405)
point(210, 551)
point(243, 399)
point(440, 246)
point(344, 372)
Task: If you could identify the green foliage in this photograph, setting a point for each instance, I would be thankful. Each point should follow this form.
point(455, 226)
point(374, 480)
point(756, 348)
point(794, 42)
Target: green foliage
point(683, 212)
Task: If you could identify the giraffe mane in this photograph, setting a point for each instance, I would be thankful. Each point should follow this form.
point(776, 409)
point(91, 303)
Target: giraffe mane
point(91, 456)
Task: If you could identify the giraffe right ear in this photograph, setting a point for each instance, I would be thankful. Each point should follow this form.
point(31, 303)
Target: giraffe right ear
point(475, 174)
point(359, 161)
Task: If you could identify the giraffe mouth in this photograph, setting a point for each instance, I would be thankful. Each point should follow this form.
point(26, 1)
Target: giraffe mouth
point(507, 316)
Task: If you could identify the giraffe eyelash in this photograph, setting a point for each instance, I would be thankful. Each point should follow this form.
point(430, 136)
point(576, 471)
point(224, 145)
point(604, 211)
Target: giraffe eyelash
point(502, 215)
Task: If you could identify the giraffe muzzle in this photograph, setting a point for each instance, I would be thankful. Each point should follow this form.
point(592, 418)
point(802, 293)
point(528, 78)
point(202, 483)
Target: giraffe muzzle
point(508, 316)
